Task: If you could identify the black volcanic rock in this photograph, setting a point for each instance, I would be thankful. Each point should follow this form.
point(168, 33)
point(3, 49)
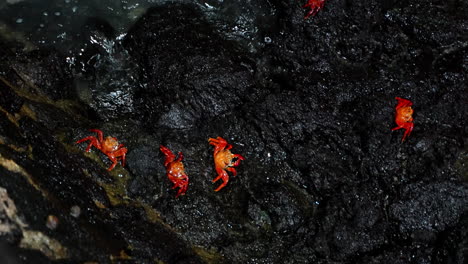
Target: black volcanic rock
point(325, 180)
point(190, 72)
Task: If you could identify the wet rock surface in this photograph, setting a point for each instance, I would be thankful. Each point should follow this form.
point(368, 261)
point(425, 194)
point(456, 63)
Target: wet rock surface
point(325, 180)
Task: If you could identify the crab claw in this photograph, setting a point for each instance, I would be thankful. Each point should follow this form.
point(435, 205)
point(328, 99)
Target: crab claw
point(403, 102)
point(315, 6)
point(170, 157)
point(219, 143)
point(239, 158)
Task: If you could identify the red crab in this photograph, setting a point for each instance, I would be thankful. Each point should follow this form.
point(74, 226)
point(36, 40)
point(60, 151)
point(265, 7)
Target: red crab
point(109, 146)
point(224, 160)
point(315, 6)
point(403, 117)
point(175, 170)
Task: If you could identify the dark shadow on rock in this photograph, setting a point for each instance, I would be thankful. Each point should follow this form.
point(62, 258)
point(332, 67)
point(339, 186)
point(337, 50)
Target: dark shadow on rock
point(190, 72)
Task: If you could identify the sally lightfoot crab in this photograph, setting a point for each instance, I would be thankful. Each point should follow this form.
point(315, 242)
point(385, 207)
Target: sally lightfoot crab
point(175, 170)
point(224, 160)
point(404, 116)
point(109, 146)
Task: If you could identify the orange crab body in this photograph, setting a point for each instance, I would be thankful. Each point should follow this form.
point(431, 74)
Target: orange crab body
point(175, 170)
point(404, 116)
point(315, 6)
point(109, 146)
point(224, 160)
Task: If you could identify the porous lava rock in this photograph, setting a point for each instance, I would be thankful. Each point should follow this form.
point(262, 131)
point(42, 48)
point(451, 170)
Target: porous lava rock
point(325, 180)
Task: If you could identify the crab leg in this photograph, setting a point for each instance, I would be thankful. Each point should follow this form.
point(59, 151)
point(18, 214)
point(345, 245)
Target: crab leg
point(222, 174)
point(409, 127)
point(180, 181)
point(182, 184)
point(93, 142)
point(122, 152)
point(99, 133)
point(233, 170)
point(181, 156)
point(114, 162)
point(114, 157)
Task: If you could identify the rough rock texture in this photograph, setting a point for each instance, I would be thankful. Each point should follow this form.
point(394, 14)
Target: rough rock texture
point(311, 109)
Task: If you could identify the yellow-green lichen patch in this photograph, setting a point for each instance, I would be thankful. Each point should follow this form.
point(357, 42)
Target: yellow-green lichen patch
point(15, 148)
point(34, 240)
point(71, 147)
point(28, 89)
point(10, 34)
point(94, 155)
point(27, 111)
point(48, 246)
point(116, 191)
point(99, 204)
point(151, 213)
point(68, 106)
point(209, 256)
point(14, 167)
point(122, 256)
point(8, 207)
point(11, 118)
point(34, 94)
